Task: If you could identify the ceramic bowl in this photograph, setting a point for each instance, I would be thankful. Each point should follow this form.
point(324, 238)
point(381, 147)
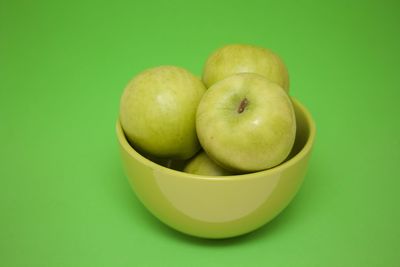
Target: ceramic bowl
point(219, 206)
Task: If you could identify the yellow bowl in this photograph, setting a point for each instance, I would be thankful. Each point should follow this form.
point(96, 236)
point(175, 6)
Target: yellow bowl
point(220, 206)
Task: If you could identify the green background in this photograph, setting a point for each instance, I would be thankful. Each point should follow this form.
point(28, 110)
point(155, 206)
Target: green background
point(64, 200)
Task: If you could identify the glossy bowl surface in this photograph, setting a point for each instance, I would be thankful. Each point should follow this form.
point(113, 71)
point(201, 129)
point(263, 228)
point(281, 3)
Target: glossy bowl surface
point(220, 206)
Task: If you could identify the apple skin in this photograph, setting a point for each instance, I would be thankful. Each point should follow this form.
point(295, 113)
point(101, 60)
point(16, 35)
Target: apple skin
point(236, 58)
point(246, 123)
point(201, 164)
point(158, 112)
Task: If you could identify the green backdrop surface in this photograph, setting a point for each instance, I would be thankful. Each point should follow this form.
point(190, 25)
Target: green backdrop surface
point(64, 200)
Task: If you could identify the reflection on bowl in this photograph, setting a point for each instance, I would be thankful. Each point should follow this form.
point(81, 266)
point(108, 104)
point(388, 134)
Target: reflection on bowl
point(219, 206)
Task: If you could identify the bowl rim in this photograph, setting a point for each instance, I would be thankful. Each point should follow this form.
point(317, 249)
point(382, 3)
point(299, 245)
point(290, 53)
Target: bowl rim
point(285, 165)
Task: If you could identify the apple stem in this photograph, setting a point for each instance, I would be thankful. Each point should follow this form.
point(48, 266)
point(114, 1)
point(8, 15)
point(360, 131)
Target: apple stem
point(243, 105)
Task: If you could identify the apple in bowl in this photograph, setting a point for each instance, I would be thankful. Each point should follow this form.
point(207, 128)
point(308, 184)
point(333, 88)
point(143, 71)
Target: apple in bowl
point(158, 112)
point(201, 164)
point(246, 123)
point(243, 58)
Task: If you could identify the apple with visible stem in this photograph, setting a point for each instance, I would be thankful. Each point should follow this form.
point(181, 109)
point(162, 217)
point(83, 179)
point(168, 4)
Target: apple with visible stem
point(201, 164)
point(236, 58)
point(246, 123)
point(158, 112)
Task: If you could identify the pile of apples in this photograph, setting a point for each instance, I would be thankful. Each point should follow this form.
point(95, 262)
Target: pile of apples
point(237, 119)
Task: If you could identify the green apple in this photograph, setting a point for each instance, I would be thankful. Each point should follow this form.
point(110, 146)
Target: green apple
point(246, 123)
point(233, 59)
point(201, 164)
point(158, 112)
